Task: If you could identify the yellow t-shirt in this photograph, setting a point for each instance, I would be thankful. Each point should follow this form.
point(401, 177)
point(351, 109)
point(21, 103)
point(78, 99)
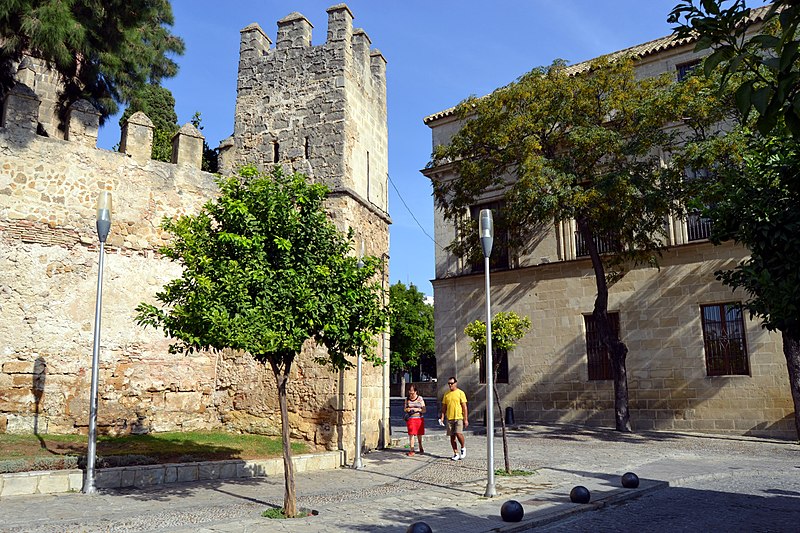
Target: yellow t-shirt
point(452, 403)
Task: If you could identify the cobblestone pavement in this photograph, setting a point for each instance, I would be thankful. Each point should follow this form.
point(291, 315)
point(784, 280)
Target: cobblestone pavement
point(394, 490)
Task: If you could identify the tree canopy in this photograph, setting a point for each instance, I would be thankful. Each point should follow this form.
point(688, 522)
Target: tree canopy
point(267, 272)
point(104, 51)
point(769, 57)
point(583, 145)
point(752, 193)
point(411, 327)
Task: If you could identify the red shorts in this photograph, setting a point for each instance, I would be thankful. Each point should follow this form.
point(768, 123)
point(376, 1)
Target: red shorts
point(416, 426)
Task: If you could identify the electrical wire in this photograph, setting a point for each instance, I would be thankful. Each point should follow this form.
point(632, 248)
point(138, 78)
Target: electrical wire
point(412, 213)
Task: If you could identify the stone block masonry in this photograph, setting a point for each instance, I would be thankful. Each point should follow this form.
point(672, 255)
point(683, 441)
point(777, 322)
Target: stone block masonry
point(48, 245)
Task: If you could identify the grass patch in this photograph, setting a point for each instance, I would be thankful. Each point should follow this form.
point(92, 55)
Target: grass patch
point(277, 513)
point(20, 453)
point(502, 472)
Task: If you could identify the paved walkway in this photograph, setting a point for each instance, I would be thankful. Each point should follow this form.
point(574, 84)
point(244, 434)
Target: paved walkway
point(394, 490)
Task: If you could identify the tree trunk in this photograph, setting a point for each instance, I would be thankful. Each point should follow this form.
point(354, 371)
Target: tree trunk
point(403, 392)
point(289, 497)
point(506, 460)
point(617, 349)
point(791, 349)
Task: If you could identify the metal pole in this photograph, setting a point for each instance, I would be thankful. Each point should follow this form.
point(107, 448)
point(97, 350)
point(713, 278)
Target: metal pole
point(490, 488)
point(88, 481)
point(357, 461)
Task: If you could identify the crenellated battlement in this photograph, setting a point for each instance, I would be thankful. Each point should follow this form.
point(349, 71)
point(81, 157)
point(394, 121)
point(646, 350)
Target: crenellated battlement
point(22, 116)
point(316, 109)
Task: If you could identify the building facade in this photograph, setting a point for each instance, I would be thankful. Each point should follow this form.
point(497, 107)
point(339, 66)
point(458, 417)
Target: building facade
point(695, 362)
point(319, 109)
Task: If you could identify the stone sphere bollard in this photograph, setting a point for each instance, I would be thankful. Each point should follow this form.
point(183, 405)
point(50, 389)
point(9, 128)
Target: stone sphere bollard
point(512, 511)
point(419, 527)
point(630, 480)
point(580, 494)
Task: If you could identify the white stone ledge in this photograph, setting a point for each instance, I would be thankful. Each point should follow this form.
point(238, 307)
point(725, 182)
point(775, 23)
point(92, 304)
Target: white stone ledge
point(59, 481)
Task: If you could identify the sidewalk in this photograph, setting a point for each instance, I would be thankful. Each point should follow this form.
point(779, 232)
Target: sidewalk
point(394, 490)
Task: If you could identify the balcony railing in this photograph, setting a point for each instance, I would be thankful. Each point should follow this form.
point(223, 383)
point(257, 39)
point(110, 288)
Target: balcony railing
point(697, 227)
point(608, 243)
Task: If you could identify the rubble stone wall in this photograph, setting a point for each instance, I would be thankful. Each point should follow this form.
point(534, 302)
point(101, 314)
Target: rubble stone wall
point(49, 259)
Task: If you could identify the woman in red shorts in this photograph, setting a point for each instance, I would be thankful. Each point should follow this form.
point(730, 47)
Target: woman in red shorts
point(415, 409)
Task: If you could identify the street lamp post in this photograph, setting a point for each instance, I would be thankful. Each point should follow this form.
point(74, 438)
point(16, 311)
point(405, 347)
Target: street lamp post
point(486, 232)
point(357, 459)
point(103, 226)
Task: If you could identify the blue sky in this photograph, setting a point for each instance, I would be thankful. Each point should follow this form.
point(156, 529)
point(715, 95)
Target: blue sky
point(438, 53)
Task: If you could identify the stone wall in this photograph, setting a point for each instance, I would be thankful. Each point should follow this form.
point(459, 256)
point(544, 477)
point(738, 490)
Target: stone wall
point(48, 272)
point(660, 323)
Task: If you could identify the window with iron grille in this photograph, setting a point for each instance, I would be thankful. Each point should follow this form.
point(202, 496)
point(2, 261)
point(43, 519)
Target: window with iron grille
point(724, 340)
point(598, 356)
point(500, 356)
point(499, 260)
point(684, 69)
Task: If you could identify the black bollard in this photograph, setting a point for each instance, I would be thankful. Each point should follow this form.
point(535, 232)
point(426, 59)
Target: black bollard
point(419, 527)
point(630, 480)
point(580, 494)
point(512, 511)
point(509, 415)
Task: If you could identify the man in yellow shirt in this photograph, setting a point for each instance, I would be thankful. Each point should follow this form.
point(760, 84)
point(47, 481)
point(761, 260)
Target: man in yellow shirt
point(454, 407)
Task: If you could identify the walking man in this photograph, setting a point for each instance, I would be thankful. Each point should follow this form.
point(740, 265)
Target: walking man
point(454, 407)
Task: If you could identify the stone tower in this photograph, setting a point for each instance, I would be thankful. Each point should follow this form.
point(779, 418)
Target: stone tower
point(321, 110)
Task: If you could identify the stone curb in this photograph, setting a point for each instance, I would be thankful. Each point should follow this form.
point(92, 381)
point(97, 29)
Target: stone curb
point(61, 481)
point(565, 510)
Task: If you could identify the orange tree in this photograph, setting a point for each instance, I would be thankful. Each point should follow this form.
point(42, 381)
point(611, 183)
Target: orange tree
point(507, 328)
point(266, 271)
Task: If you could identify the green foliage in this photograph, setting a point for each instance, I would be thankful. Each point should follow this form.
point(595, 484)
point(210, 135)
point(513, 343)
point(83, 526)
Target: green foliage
point(513, 473)
point(210, 161)
point(104, 51)
point(158, 104)
point(265, 270)
point(276, 513)
point(410, 326)
point(755, 204)
point(581, 147)
point(507, 328)
point(771, 58)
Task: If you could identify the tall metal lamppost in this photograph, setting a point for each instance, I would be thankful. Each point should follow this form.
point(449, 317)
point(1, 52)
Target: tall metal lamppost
point(103, 226)
point(486, 232)
point(357, 460)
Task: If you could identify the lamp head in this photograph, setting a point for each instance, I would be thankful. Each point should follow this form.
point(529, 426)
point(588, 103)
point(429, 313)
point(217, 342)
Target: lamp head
point(360, 263)
point(103, 215)
point(486, 231)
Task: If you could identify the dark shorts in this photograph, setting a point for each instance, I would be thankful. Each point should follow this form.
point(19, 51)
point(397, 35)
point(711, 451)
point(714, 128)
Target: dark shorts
point(416, 426)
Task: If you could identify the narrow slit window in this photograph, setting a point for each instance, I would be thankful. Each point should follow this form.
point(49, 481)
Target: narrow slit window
point(276, 152)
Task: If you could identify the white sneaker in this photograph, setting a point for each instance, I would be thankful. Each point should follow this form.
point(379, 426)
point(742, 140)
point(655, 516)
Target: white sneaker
point(455, 457)
point(463, 453)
